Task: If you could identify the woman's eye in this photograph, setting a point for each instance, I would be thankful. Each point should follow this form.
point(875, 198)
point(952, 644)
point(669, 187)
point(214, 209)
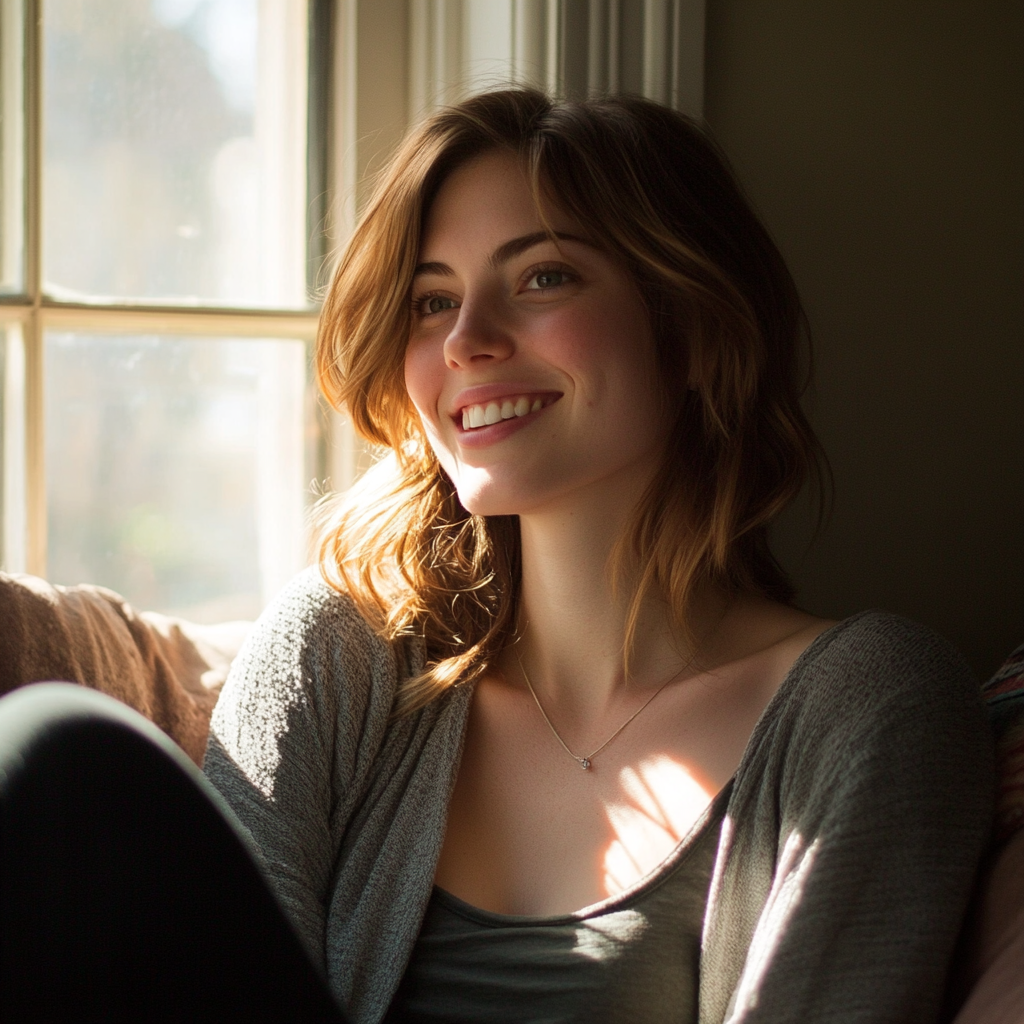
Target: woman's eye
point(547, 279)
point(435, 304)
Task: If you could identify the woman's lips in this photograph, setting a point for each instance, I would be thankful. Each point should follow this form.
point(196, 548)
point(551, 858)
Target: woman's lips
point(486, 414)
point(497, 419)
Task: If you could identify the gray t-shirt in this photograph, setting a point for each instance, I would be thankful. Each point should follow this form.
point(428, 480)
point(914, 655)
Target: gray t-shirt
point(843, 864)
point(633, 957)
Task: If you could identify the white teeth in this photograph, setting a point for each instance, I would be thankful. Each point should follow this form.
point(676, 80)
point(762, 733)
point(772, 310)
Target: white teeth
point(474, 416)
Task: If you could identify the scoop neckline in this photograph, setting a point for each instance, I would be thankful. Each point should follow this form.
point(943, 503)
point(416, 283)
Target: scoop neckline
point(657, 876)
point(678, 854)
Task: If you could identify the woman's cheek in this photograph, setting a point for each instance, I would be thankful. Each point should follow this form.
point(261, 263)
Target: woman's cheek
point(424, 376)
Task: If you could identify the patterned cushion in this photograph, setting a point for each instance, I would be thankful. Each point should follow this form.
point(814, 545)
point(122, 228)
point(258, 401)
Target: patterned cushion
point(1004, 694)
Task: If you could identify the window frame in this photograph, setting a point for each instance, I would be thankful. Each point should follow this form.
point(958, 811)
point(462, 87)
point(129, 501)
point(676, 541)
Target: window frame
point(35, 312)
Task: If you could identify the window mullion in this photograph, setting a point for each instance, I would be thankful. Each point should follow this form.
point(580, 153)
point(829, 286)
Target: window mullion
point(35, 445)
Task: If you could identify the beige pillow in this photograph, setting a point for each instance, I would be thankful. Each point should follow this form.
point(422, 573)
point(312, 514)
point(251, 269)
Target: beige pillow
point(169, 670)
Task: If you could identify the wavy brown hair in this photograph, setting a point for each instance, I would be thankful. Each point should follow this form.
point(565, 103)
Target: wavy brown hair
point(654, 191)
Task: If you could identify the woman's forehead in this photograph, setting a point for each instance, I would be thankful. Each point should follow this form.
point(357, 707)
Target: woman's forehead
point(490, 195)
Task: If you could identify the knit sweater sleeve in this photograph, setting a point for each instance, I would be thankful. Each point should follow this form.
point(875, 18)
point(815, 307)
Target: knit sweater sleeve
point(345, 805)
point(852, 837)
point(298, 718)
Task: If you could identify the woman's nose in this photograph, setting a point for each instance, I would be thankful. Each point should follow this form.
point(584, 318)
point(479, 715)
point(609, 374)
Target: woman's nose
point(479, 335)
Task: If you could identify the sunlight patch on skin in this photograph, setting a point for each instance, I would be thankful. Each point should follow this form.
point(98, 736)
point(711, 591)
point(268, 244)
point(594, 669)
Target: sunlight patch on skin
point(662, 802)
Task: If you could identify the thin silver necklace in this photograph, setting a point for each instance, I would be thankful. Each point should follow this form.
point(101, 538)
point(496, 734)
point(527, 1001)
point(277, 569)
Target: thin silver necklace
point(585, 761)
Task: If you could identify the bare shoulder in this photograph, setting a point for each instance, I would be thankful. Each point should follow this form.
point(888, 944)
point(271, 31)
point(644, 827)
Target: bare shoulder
point(754, 627)
point(751, 654)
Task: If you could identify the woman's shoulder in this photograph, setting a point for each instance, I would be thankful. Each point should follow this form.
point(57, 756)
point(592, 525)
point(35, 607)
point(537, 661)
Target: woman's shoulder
point(311, 611)
point(877, 703)
point(878, 672)
point(885, 654)
point(312, 654)
point(310, 623)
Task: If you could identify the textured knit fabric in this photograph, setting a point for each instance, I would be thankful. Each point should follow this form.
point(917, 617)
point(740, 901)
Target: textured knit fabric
point(633, 957)
point(845, 859)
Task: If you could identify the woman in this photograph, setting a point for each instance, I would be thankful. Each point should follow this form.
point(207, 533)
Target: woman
point(554, 744)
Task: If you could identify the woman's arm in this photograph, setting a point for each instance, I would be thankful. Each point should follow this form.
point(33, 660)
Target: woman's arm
point(295, 719)
point(345, 805)
point(853, 835)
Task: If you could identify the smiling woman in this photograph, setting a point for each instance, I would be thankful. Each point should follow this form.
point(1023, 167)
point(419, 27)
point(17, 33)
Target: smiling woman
point(583, 354)
point(543, 738)
point(681, 262)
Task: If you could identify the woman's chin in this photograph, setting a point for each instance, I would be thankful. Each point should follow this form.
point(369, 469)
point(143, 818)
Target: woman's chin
point(482, 503)
point(524, 488)
point(488, 497)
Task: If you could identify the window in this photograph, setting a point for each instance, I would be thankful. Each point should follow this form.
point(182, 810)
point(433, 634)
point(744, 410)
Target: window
point(162, 220)
point(164, 175)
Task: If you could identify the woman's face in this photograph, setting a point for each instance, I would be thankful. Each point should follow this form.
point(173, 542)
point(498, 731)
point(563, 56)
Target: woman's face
point(531, 362)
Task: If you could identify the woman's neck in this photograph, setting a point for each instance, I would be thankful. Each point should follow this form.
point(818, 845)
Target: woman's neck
point(574, 618)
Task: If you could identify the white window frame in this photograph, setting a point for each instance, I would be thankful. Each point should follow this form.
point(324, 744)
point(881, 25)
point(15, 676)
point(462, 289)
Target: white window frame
point(33, 313)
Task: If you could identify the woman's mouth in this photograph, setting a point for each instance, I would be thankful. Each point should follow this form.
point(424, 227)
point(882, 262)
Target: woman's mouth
point(486, 414)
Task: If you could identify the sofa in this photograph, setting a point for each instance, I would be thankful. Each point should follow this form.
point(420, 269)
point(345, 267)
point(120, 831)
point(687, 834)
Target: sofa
point(171, 671)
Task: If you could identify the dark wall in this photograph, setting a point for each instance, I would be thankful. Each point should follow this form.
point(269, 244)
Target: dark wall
point(883, 142)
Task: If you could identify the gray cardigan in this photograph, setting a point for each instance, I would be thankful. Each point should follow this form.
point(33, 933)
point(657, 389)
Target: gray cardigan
point(846, 857)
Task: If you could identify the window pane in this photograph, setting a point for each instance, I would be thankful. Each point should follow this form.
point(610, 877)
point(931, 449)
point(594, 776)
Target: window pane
point(177, 468)
point(175, 150)
point(12, 149)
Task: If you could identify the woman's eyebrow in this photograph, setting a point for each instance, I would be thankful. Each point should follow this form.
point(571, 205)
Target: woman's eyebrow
point(509, 250)
point(505, 252)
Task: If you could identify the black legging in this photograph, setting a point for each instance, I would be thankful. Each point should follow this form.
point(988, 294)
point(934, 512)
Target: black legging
point(126, 893)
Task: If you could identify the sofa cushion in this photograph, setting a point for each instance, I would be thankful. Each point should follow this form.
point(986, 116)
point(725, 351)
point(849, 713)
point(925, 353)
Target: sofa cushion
point(990, 968)
point(169, 670)
point(1004, 694)
point(994, 953)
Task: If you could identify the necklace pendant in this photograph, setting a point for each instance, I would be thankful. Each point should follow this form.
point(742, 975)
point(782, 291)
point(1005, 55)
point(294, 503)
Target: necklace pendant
point(584, 763)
